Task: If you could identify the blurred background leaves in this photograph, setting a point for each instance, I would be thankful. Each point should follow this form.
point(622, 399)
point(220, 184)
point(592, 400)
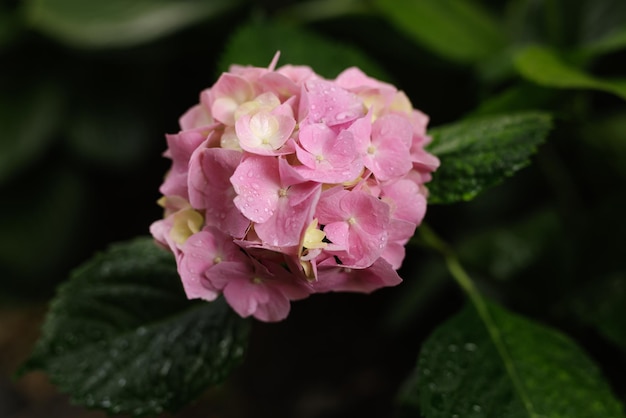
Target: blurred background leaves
point(87, 90)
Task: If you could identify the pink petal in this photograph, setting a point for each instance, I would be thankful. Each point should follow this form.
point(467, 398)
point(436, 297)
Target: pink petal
point(370, 213)
point(210, 170)
point(361, 130)
point(257, 184)
point(197, 116)
point(279, 84)
point(407, 201)
point(333, 278)
point(201, 252)
point(331, 104)
point(392, 128)
point(356, 80)
point(276, 309)
point(327, 157)
point(227, 94)
point(180, 148)
point(293, 213)
point(328, 208)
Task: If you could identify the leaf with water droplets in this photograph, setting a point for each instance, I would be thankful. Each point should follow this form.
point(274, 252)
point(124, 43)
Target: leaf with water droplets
point(529, 370)
point(481, 152)
point(121, 335)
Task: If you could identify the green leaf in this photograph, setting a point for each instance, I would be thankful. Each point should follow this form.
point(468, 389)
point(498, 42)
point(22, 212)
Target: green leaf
point(28, 122)
point(530, 371)
point(455, 29)
point(121, 336)
point(543, 66)
point(118, 23)
point(256, 43)
point(479, 153)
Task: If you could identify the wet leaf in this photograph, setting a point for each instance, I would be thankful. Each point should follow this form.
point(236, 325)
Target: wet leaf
point(122, 337)
point(118, 23)
point(455, 29)
point(479, 153)
point(531, 371)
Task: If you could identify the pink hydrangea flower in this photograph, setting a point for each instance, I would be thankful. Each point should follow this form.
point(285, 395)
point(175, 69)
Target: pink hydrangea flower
point(284, 184)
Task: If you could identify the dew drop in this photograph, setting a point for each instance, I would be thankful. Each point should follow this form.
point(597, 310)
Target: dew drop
point(121, 382)
point(452, 348)
point(477, 408)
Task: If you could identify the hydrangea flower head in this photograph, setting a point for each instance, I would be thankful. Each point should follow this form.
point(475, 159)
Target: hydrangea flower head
point(284, 184)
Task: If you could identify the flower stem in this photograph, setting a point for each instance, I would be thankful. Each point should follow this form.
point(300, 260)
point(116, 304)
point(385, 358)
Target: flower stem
point(431, 240)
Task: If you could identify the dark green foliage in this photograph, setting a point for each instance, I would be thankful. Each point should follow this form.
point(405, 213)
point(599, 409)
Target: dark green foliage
point(117, 23)
point(122, 337)
point(506, 367)
point(479, 153)
point(256, 43)
point(458, 30)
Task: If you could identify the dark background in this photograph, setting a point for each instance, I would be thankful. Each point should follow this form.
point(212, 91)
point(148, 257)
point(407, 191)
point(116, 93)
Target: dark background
point(82, 132)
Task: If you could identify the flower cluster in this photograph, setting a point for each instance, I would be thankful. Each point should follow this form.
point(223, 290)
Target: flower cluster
point(284, 184)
